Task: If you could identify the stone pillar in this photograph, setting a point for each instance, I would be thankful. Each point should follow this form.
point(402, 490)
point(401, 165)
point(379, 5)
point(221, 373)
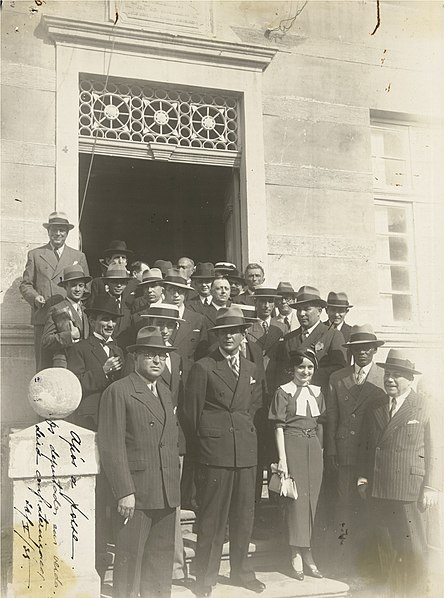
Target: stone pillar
point(53, 465)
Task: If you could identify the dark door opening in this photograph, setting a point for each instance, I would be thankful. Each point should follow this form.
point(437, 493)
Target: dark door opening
point(162, 210)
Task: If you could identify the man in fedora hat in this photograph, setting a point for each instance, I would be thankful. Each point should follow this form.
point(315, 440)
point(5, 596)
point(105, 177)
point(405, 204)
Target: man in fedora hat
point(202, 280)
point(284, 314)
point(351, 391)
point(138, 447)
point(220, 294)
point(116, 253)
point(222, 395)
point(190, 337)
point(326, 342)
point(43, 272)
point(254, 277)
point(337, 306)
point(66, 322)
point(116, 280)
point(149, 292)
point(186, 267)
point(137, 270)
point(396, 474)
point(97, 362)
point(237, 283)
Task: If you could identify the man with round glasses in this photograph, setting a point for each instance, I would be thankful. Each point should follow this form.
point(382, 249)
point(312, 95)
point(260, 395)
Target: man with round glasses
point(138, 446)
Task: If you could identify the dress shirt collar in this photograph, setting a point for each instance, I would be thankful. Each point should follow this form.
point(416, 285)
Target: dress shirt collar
point(102, 339)
point(181, 311)
point(311, 329)
point(399, 400)
point(267, 320)
point(227, 356)
point(364, 370)
point(58, 249)
point(77, 305)
point(145, 381)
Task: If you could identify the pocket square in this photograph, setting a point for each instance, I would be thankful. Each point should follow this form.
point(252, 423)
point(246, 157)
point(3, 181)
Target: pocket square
point(252, 380)
point(196, 330)
point(413, 421)
point(75, 263)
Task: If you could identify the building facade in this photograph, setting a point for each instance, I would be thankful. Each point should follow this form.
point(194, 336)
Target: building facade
point(306, 136)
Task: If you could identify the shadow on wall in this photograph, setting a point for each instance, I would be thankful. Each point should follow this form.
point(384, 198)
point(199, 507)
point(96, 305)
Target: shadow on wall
point(15, 310)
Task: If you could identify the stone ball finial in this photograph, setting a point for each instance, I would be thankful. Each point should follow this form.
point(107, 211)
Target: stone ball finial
point(54, 393)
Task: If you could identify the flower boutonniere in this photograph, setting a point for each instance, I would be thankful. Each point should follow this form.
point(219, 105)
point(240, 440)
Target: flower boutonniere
point(319, 346)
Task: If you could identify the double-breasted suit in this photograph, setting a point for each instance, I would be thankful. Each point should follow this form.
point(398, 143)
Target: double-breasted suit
point(138, 446)
point(55, 341)
point(43, 271)
point(346, 405)
point(86, 360)
point(219, 410)
point(397, 461)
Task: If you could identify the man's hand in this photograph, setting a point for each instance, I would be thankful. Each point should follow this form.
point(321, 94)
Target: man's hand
point(39, 301)
point(430, 498)
point(362, 488)
point(282, 468)
point(75, 332)
point(113, 364)
point(333, 462)
point(125, 506)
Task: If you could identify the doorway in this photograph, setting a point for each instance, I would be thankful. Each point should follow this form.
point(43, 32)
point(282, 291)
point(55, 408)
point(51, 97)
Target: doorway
point(162, 210)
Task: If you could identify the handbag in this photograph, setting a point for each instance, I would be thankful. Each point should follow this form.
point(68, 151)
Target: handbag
point(284, 486)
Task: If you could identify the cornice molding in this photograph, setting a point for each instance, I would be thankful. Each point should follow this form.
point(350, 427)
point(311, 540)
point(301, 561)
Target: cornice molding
point(160, 45)
point(17, 334)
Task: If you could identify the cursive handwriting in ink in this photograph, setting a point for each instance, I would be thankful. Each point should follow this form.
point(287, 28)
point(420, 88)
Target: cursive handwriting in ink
point(51, 426)
point(74, 508)
point(74, 445)
point(39, 435)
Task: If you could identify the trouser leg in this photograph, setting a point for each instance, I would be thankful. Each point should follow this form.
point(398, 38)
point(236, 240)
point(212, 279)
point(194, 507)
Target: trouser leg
point(241, 515)
point(38, 333)
point(157, 560)
point(178, 561)
point(214, 489)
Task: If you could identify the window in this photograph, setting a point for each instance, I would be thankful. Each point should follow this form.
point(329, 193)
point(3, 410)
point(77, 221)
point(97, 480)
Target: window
point(395, 168)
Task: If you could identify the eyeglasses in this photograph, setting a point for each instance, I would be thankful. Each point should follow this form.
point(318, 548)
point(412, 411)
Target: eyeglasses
point(153, 354)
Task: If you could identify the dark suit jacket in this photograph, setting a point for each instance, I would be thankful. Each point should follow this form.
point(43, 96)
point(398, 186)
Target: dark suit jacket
point(195, 304)
point(345, 330)
point(55, 342)
point(138, 443)
point(219, 410)
point(328, 348)
point(270, 345)
point(346, 404)
point(190, 338)
point(85, 359)
point(43, 273)
point(98, 288)
point(245, 299)
point(396, 456)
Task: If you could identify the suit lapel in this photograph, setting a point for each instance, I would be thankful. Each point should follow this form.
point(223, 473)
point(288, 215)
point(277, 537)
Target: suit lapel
point(47, 254)
point(404, 414)
point(63, 262)
point(369, 385)
point(97, 350)
point(142, 393)
point(223, 371)
point(242, 382)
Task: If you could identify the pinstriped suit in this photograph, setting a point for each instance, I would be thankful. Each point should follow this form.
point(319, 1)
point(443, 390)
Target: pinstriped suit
point(396, 458)
point(138, 446)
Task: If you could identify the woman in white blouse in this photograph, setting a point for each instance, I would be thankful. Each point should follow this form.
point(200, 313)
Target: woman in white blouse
point(294, 411)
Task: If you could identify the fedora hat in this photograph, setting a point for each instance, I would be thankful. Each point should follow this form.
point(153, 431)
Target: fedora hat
point(74, 272)
point(149, 337)
point(174, 279)
point(397, 360)
point(338, 300)
point(363, 335)
point(163, 266)
point(151, 275)
point(204, 270)
point(166, 311)
point(285, 288)
point(308, 294)
point(265, 292)
point(58, 218)
point(235, 274)
point(116, 272)
point(104, 304)
point(249, 312)
point(230, 317)
point(224, 268)
point(117, 247)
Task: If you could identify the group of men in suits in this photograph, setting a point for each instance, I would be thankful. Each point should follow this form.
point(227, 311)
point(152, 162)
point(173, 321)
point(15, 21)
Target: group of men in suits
point(167, 355)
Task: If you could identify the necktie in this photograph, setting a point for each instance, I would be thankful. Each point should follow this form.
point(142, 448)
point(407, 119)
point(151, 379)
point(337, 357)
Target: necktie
point(287, 323)
point(56, 253)
point(234, 365)
point(208, 300)
point(265, 327)
point(360, 376)
point(304, 335)
point(153, 389)
point(243, 349)
point(393, 407)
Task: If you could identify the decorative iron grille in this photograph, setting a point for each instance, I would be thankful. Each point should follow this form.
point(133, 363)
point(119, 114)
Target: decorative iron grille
point(144, 114)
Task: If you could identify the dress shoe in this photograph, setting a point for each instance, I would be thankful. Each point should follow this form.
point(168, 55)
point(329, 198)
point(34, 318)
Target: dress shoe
point(203, 591)
point(254, 585)
point(314, 572)
point(296, 574)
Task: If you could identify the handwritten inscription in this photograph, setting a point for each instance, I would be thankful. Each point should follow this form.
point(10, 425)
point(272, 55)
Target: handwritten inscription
point(50, 512)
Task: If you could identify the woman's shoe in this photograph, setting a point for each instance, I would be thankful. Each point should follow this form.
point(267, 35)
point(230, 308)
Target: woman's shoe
point(314, 572)
point(296, 566)
point(296, 574)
